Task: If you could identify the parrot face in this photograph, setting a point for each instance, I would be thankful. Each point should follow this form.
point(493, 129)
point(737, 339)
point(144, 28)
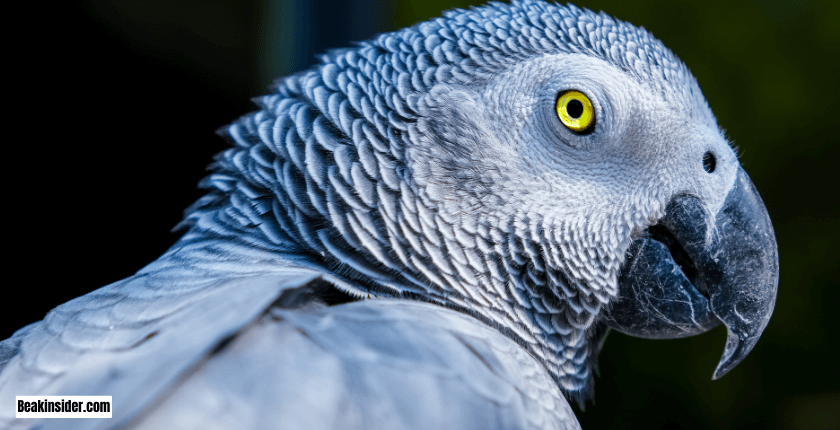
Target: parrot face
point(654, 153)
point(495, 153)
point(608, 185)
point(548, 170)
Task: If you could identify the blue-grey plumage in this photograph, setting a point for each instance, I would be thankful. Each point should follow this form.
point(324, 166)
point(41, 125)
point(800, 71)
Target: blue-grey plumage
point(427, 166)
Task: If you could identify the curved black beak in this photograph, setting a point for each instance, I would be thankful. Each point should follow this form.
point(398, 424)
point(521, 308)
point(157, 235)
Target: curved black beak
point(695, 270)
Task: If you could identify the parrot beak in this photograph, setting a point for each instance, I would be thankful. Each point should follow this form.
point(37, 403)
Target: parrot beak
point(695, 270)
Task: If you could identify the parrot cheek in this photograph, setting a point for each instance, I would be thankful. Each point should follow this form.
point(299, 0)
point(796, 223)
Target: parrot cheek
point(695, 270)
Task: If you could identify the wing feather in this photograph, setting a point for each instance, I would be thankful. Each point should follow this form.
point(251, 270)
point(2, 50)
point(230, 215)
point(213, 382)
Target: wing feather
point(380, 363)
point(135, 345)
point(233, 355)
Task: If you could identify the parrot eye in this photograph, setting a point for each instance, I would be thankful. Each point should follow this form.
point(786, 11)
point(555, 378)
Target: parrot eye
point(575, 111)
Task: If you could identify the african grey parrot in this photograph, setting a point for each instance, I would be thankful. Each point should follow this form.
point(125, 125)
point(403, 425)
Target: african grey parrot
point(496, 187)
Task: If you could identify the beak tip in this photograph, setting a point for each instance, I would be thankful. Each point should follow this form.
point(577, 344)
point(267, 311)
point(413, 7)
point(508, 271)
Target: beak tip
point(736, 349)
point(720, 372)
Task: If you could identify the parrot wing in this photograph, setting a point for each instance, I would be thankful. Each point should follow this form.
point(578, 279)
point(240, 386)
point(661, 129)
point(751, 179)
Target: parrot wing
point(259, 351)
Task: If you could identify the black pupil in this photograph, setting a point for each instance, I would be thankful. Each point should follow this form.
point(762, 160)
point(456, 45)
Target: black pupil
point(709, 162)
point(574, 108)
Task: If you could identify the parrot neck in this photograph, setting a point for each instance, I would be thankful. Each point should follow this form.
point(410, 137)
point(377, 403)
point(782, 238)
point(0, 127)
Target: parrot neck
point(313, 194)
point(518, 299)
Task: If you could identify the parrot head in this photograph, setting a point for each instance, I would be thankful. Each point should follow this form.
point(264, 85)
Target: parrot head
point(546, 169)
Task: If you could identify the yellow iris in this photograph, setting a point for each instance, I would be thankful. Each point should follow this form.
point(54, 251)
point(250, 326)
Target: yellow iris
point(575, 111)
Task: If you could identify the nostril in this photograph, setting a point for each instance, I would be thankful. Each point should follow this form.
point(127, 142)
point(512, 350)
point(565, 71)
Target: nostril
point(709, 162)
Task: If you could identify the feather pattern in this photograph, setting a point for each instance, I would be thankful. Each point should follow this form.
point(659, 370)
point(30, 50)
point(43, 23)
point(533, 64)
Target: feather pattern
point(340, 132)
point(334, 178)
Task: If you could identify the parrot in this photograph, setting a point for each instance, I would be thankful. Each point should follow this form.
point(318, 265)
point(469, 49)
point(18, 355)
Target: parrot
point(493, 191)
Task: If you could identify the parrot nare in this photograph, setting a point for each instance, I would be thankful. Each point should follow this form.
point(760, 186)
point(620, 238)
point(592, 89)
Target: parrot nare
point(496, 189)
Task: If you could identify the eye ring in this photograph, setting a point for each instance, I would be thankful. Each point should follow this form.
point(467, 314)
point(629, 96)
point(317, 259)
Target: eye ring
point(575, 111)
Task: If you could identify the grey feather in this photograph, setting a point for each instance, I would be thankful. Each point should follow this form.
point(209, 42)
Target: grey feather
point(425, 165)
point(372, 364)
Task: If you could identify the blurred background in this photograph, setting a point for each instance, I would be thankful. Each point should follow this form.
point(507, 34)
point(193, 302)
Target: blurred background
point(121, 100)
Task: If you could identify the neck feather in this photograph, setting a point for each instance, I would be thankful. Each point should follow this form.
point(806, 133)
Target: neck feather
point(316, 197)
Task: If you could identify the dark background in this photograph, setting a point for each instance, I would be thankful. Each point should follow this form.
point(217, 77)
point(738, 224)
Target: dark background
point(119, 102)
